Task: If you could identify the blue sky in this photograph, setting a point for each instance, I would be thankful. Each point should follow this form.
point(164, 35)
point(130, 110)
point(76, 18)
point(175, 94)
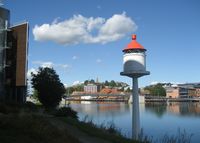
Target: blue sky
point(169, 30)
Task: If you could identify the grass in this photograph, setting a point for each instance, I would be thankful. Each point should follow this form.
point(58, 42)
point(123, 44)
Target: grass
point(66, 112)
point(31, 128)
point(180, 137)
point(109, 133)
point(31, 123)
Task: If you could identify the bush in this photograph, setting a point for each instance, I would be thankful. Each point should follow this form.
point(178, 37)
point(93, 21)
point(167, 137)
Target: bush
point(9, 108)
point(3, 109)
point(66, 112)
point(29, 106)
point(48, 86)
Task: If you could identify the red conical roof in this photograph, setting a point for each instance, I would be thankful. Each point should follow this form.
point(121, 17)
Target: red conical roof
point(134, 45)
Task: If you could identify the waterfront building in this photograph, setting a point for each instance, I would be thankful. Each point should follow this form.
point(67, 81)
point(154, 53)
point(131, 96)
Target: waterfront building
point(191, 92)
point(110, 91)
point(13, 59)
point(92, 88)
point(183, 90)
point(197, 92)
point(176, 92)
point(189, 85)
point(172, 92)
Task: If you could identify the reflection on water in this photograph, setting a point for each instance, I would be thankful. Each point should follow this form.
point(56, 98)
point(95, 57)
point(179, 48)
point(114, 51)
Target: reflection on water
point(159, 109)
point(156, 118)
point(176, 108)
point(99, 108)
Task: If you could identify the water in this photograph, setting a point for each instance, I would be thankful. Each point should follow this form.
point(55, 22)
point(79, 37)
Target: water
point(156, 119)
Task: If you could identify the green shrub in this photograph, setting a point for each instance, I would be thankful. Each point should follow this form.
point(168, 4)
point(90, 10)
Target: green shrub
point(29, 128)
point(49, 87)
point(9, 108)
point(66, 112)
point(3, 108)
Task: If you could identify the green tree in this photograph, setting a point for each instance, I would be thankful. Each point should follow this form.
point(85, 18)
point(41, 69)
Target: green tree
point(92, 81)
point(128, 90)
point(35, 94)
point(156, 90)
point(112, 83)
point(69, 90)
point(49, 87)
point(106, 83)
point(122, 89)
point(86, 82)
point(79, 87)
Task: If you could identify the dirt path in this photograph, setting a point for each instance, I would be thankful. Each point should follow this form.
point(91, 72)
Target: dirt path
point(75, 132)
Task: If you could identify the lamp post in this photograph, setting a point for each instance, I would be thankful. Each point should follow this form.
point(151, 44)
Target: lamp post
point(134, 66)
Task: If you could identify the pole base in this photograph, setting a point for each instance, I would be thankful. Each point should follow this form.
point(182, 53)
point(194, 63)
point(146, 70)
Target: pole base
point(135, 73)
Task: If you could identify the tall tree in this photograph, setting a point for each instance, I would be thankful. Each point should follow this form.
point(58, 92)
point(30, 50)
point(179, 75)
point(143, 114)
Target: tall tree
point(86, 82)
point(35, 94)
point(49, 87)
point(156, 90)
point(92, 81)
point(69, 90)
point(128, 90)
point(106, 83)
point(112, 83)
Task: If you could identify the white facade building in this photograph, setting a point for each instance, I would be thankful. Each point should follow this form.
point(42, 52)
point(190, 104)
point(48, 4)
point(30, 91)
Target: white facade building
point(92, 88)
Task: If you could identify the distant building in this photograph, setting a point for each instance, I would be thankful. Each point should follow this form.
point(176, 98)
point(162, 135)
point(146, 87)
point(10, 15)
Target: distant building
point(191, 92)
point(92, 88)
point(109, 91)
point(13, 59)
point(172, 92)
point(183, 90)
point(144, 92)
point(197, 92)
point(176, 92)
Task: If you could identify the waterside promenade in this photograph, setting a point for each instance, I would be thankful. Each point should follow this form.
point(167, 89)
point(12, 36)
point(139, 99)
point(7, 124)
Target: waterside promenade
point(125, 98)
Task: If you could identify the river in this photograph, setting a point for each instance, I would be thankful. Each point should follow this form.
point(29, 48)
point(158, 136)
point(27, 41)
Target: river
point(156, 119)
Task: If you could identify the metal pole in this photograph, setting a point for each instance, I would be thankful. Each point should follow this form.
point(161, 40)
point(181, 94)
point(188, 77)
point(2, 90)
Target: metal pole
point(135, 110)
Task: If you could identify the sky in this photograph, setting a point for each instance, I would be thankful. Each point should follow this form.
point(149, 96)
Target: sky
point(84, 39)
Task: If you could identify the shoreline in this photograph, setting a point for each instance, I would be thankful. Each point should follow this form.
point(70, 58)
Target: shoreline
point(31, 123)
point(146, 100)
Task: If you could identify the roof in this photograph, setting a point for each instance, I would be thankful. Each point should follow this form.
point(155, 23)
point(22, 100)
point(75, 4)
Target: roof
point(134, 45)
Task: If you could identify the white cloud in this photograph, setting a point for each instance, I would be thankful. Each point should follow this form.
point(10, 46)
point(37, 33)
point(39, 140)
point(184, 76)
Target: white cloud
point(77, 82)
point(50, 64)
point(98, 7)
point(98, 60)
point(56, 20)
point(64, 66)
point(44, 64)
point(65, 85)
point(32, 70)
point(74, 57)
point(80, 29)
point(154, 82)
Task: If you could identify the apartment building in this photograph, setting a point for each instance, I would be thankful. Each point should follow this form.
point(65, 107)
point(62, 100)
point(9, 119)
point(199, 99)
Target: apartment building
point(13, 59)
point(183, 90)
